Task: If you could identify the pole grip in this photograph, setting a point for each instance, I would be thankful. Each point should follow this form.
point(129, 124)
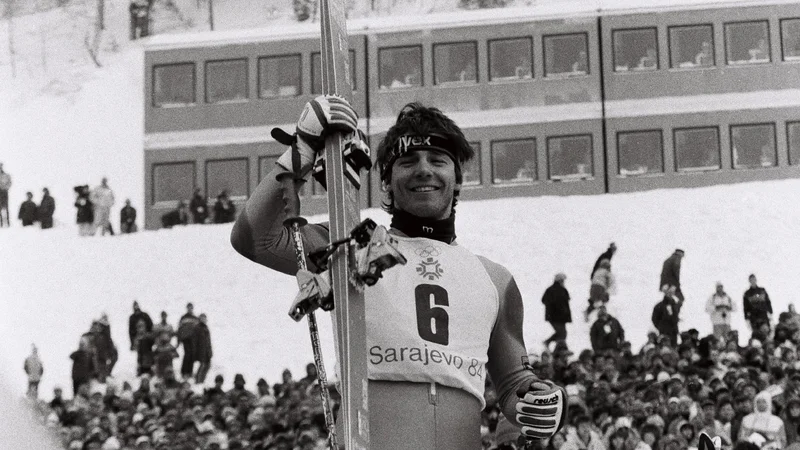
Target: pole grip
point(290, 188)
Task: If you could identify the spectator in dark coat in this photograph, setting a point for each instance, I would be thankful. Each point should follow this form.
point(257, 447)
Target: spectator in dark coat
point(138, 316)
point(178, 216)
point(757, 305)
point(187, 326)
point(105, 350)
point(665, 315)
point(671, 272)
point(27, 211)
point(144, 342)
point(606, 332)
point(5, 185)
point(82, 366)
point(202, 348)
point(608, 254)
point(556, 309)
point(164, 353)
point(46, 209)
point(199, 207)
point(224, 209)
point(127, 218)
point(85, 217)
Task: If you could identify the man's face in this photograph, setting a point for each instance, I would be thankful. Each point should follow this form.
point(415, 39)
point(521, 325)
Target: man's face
point(753, 281)
point(584, 431)
point(423, 184)
point(720, 289)
point(726, 412)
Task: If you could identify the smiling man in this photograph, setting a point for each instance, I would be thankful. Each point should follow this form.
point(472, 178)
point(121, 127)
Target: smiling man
point(437, 325)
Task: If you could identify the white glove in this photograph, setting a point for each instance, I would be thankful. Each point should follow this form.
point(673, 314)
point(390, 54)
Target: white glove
point(322, 116)
point(541, 409)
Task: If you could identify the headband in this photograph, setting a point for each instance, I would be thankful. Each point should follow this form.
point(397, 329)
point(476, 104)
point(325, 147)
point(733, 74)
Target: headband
point(412, 142)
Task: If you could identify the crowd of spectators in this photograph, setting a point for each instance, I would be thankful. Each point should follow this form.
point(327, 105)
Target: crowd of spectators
point(196, 211)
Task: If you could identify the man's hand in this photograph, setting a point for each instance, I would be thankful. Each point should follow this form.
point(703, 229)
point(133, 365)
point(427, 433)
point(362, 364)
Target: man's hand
point(321, 117)
point(541, 409)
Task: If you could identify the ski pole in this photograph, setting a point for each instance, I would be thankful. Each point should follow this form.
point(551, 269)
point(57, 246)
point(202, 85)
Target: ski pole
point(294, 222)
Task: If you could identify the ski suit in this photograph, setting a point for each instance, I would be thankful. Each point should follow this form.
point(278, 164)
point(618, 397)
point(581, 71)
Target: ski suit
point(426, 385)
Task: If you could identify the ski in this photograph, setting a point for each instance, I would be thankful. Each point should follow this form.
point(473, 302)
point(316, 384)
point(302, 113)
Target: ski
point(344, 210)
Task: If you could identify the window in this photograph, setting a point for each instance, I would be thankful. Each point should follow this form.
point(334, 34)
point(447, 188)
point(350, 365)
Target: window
point(228, 175)
point(279, 76)
point(265, 166)
point(316, 72)
point(570, 157)
point(226, 81)
point(747, 42)
point(566, 54)
point(753, 146)
point(455, 63)
point(510, 59)
point(173, 85)
point(697, 149)
point(635, 50)
point(471, 171)
point(790, 36)
point(640, 152)
point(793, 140)
point(400, 67)
point(173, 181)
point(691, 46)
point(514, 161)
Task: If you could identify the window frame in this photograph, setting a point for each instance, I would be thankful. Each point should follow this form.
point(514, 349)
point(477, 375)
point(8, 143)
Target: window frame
point(789, 142)
point(194, 85)
point(508, 79)
point(300, 74)
point(727, 46)
point(210, 195)
point(353, 75)
point(563, 75)
point(696, 169)
point(755, 124)
point(661, 150)
point(492, 165)
point(153, 192)
point(670, 29)
point(783, 39)
point(614, 50)
point(477, 146)
point(246, 80)
point(572, 177)
point(421, 67)
point(455, 83)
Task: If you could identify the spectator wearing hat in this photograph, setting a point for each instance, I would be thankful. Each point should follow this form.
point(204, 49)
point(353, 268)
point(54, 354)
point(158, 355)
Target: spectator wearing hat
point(27, 210)
point(186, 336)
point(239, 390)
point(138, 316)
point(224, 209)
point(665, 315)
point(756, 305)
point(557, 311)
point(606, 332)
point(45, 210)
point(164, 353)
point(608, 254)
point(671, 272)
point(602, 287)
point(127, 218)
point(763, 422)
point(83, 368)
point(202, 348)
point(719, 307)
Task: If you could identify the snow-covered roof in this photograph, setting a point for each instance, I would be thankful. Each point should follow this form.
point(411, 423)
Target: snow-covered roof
point(542, 10)
point(689, 104)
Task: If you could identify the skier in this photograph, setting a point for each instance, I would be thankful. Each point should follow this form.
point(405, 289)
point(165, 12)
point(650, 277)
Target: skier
point(434, 324)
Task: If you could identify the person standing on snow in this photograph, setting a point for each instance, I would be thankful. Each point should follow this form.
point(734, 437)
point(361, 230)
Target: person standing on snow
point(138, 316)
point(34, 369)
point(608, 254)
point(5, 185)
point(47, 207)
point(757, 305)
point(556, 309)
point(603, 286)
point(671, 272)
point(420, 162)
point(27, 211)
point(202, 348)
point(85, 214)
point(127, 218)
point(103, 199)
point(199, 207)
point(665, 315)
point(720, 306)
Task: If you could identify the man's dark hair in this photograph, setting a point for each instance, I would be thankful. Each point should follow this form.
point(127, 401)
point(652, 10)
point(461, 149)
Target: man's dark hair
point(416, 119)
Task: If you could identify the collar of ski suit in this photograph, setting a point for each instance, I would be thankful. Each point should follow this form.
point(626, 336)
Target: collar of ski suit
point(443, 230)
